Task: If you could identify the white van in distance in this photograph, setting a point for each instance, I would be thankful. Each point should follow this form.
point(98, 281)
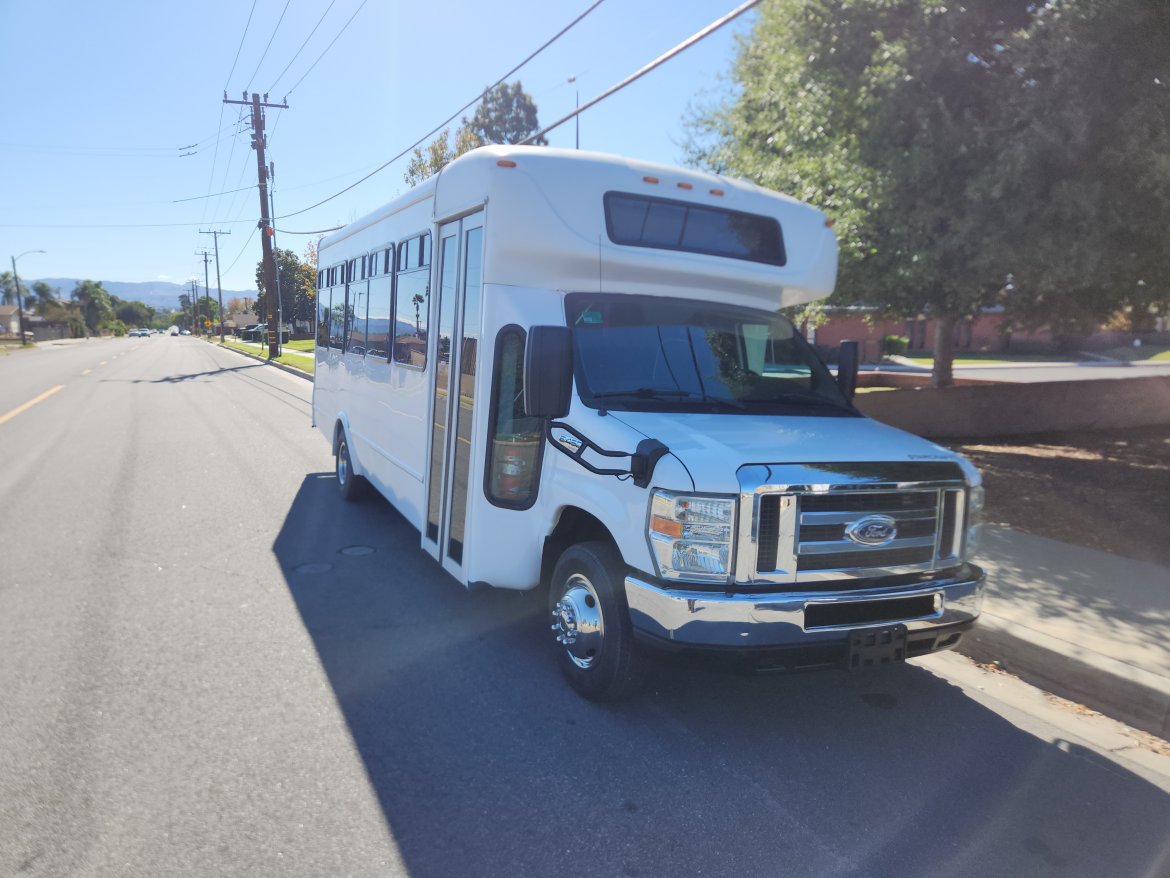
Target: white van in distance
point(570, 371)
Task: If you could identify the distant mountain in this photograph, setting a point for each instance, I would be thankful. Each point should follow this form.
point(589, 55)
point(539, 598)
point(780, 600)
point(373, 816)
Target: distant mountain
point(159, 294)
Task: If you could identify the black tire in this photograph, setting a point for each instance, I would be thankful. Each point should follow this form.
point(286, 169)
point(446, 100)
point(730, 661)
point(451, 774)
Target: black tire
point(602, 666)
point(351, 486)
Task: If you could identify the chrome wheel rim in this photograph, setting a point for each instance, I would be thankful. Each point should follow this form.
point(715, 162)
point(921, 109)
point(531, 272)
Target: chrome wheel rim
point(342, 463)
point(577, 621)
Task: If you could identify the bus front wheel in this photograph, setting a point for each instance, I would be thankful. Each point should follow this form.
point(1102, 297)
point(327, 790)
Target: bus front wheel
point(591, 623)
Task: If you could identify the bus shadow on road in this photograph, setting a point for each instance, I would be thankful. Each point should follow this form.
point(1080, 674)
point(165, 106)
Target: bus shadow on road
point(485, 763)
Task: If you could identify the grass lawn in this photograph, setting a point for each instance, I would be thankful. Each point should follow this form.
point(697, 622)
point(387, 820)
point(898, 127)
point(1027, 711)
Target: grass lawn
point(997, 358)
point(302, 363)
point(1137, 355)
point(305, 344)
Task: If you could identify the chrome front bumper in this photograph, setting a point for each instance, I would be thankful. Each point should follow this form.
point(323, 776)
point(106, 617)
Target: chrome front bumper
point(756, 621)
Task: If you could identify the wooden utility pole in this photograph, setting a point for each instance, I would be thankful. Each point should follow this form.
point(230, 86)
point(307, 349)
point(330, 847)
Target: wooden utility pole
point(265, 225)
point(218, 284)
point(207, 286)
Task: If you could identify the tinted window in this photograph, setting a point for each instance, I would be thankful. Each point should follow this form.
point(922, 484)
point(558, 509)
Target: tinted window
point(410, 324)
point(514, 455)
point(644, 353)
point(356, 343)
point(378, 322)
point(323, 318)
point(641, 221)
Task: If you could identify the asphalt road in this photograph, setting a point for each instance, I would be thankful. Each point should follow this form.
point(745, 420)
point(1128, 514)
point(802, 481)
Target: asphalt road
point(209, 665)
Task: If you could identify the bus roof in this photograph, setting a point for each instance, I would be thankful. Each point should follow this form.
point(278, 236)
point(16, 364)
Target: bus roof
point(546, 215)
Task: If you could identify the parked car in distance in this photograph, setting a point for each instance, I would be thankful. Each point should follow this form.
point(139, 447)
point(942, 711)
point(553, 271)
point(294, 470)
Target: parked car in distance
point(259, 332)
point(174, 332)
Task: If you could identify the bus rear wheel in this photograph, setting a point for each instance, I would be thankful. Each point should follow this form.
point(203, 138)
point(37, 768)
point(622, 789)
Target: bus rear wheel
point(350, 485)
point(591, 624)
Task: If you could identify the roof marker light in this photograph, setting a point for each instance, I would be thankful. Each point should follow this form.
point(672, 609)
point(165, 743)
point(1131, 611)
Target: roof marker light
point(716, 191)
point(649, 179)
point(506, 163)
point(685, 186)
point(829, 223)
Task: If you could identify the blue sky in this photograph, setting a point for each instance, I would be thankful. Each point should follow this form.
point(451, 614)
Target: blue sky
point(101, 98)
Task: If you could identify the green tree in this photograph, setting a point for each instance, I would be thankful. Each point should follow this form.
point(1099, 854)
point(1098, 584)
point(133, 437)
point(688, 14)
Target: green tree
point(46, 297)
point(439, 154)
point(879, 112)
point(8, 289)
point(1084, 173)
point(505, 114)
point(298, 288)
point(94, 302)
point(133, 313)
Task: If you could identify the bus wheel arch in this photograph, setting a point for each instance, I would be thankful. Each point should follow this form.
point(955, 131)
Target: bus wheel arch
point(589, 616)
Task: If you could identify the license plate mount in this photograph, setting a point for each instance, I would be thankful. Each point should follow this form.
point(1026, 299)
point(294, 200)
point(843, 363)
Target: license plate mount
point(876, 647)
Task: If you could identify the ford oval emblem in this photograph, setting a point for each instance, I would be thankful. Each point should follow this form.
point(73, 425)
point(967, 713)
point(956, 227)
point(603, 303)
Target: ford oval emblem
point(873, 531)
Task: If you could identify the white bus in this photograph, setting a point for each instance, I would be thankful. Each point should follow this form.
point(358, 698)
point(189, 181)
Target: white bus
point(569, 371)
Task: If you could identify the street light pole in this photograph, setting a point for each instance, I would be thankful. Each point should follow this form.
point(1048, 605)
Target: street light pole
point(577, 104)
point(19, 303)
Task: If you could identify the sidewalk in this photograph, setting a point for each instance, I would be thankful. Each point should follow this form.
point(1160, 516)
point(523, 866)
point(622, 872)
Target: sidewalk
point(1086, 625)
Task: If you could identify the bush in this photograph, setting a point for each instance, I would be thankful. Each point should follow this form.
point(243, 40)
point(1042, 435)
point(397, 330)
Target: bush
point(894, 345)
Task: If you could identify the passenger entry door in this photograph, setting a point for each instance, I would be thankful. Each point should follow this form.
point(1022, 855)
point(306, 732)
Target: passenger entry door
point(458, 317)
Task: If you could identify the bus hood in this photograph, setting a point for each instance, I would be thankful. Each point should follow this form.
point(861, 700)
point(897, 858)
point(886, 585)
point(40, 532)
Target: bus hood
point(713, 446)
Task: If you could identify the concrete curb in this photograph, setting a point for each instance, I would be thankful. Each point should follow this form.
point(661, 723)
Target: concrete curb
point(1119, 690)
point(308, 376)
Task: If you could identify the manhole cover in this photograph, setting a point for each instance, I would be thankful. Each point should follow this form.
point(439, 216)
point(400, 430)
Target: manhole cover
point(357, 550)
point(314, 568)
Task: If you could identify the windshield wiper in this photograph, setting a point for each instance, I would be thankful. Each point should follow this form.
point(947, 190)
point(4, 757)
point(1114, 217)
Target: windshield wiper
point(645, 393)
point(799, 398)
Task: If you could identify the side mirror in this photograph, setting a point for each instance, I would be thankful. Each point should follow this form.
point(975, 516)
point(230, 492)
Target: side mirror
point(847, 365)
point(548, 372)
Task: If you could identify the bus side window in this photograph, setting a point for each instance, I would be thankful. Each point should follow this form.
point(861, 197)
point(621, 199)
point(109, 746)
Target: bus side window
point(337, 311)
point(513, 466)
point(412, 298)
point(323, 317)
point(381, 317)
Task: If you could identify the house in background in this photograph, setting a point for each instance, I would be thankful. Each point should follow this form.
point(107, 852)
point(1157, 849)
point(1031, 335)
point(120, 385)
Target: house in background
point(987, 331)
point(9, 321)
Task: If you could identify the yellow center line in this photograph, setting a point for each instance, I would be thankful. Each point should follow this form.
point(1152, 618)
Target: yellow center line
point(28, 405)
point(87, 371)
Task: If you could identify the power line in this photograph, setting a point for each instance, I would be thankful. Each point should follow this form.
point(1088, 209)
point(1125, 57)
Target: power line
point(247, 24)
point(272, 88)
point(242, 249)
point(661, 59)
point(314, 232)
point(112, 225)
point(215, 156)
point(454, 115)
point(214, 195)
point(327, 48)
point(269, 46)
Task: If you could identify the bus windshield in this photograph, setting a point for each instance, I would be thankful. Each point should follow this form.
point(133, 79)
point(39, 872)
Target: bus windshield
point(646, 353)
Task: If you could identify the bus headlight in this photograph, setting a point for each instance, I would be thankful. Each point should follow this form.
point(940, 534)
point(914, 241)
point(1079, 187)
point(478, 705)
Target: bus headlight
point(691, 535)
point(974, 519)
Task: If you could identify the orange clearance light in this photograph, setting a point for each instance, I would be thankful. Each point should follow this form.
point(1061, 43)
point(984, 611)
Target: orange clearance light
point(649, 179)
point(685, 186)
point(506, 163)
point(716, 191)
point(667, 526)
point(829, 222)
